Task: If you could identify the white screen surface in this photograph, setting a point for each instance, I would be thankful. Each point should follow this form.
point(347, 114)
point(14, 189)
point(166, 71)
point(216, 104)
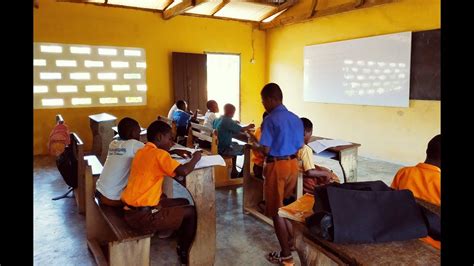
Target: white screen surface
point(365, 71)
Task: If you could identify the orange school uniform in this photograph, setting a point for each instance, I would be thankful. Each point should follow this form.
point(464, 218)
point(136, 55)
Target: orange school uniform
point(424, 181)
point(258, 156)
point(147, 172)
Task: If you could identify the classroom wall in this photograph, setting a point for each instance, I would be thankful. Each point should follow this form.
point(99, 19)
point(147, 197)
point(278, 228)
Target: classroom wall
point(89, 24)
point(388, 133)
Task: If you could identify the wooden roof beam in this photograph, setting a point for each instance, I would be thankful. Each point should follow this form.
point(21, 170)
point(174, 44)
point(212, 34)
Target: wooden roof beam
point(281, 7)
point(219, 7)
point(178, 9)
point(311, 14)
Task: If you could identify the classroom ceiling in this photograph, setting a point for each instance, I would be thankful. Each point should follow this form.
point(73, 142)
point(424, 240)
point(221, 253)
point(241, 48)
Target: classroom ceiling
point(264, 13)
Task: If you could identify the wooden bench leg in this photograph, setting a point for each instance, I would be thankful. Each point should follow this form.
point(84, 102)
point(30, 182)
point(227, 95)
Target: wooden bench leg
point(309, 252)
point(252, 191)
point(349, 164)
point(134, 252)
point(96, 251)
point(223, 177)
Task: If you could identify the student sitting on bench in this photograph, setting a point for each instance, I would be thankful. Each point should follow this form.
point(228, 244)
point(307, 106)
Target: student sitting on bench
point(210, 116)
point(226, 128)
point(114, 176)
point(313, 175)
point(424, 179)
point(182, 118)
point(144, 210)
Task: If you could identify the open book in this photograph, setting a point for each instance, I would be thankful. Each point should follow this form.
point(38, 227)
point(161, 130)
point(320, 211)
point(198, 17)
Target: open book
point(298, 210)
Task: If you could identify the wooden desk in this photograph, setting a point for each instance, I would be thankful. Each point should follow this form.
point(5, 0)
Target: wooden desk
point(102, 134)
point(200, 184)
point(200, 119)
point(346, 156)
point(143, 131)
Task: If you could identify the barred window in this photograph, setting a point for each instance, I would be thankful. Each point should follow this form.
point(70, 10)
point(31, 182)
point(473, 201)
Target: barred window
point(70, 75)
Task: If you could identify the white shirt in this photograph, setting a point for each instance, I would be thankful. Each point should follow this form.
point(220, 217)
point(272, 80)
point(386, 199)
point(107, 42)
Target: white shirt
point(170, 113)
point(209, 118)
point(114, 176)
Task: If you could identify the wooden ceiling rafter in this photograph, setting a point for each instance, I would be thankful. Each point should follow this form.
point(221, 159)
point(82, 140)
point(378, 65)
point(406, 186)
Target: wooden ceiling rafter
point(286, 5)
point(219, 7)
point(313, 8)
point(168, 3)
point(315, 13)
point(178, 9)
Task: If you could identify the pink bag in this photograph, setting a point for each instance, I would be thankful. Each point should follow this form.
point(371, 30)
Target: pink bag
point(58, 139)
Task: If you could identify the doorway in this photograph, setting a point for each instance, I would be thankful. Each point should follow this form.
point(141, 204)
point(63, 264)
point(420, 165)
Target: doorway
point(223, 80)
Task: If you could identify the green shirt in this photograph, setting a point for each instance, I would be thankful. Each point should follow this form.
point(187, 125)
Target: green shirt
point(226, 128)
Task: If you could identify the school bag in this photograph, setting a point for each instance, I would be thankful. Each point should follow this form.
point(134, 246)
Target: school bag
point(58, 139)
point(368, 212)
point(67, 166)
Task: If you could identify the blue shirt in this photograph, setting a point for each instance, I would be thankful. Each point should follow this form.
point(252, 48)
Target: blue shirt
point(181, 118)
point(282, 131)
point(226, 128)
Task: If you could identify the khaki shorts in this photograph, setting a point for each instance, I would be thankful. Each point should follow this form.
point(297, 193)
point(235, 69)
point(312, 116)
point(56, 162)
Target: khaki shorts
point(168, 215)
point(280, 182)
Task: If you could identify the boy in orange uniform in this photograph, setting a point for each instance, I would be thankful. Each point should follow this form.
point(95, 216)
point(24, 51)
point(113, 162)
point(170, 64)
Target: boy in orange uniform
point(424, 179)
point(145, 210)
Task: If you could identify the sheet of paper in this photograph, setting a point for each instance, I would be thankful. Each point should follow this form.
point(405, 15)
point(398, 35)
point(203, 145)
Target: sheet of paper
point(181, 147)
point(316, 146)
point(323, 144)
point(209, 160)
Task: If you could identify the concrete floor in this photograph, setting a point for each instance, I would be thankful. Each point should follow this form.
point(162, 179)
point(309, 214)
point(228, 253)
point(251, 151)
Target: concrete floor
point(60, 237)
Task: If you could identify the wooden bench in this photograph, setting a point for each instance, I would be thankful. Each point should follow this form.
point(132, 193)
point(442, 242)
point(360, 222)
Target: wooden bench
point(113, 242)
point(222, 173)
point(253, 189)
point(109, 238)
point(317, 251)
point(77, 147)
point(171, 123)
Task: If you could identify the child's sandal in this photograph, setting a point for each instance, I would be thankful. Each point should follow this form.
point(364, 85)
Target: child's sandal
point(275, 258)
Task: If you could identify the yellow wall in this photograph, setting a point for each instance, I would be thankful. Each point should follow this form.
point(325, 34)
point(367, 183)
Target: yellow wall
point(88, 24)
point(392, 134)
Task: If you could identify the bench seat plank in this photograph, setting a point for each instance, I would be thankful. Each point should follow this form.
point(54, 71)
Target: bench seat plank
point(115, 218)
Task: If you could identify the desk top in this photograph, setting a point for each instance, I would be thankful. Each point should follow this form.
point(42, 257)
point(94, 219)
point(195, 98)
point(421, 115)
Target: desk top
point(102, 117)
point(338, 148)
point(142, 132)
point(94, 163)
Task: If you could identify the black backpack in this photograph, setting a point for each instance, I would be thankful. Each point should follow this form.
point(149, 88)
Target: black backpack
point(67, 166)
point(369, 212)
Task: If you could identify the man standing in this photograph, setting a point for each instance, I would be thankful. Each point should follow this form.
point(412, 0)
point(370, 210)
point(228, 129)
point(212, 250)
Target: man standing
point(282, 137)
